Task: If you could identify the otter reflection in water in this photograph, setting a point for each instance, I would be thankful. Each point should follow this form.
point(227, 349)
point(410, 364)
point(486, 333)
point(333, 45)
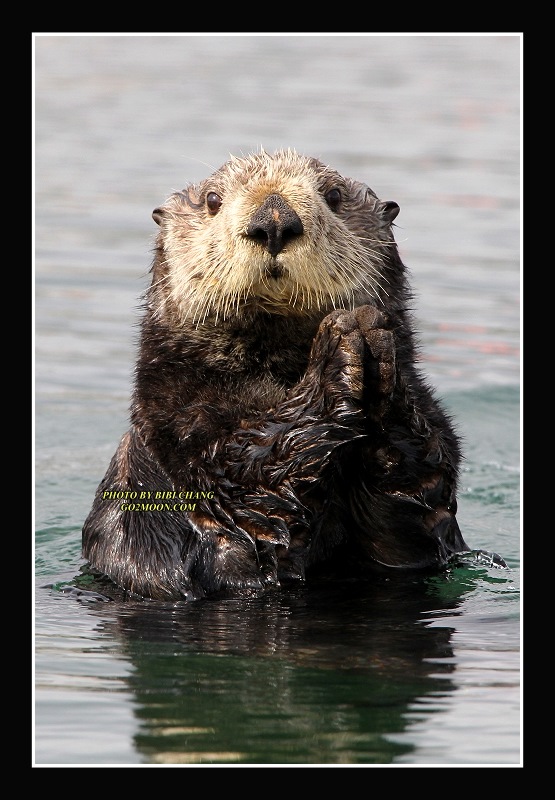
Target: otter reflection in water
point(323, 673)
point(280, 427)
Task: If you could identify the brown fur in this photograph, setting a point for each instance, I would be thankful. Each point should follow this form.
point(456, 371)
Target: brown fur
point(277, 369)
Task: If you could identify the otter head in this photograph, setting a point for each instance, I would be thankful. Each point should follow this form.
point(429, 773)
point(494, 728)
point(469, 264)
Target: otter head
point(282, 234)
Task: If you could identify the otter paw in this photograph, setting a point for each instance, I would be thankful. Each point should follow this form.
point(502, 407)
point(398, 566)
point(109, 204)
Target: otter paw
point(238, 565)
point(370, 317)
point(339, 346)
point(341, 321)
point(381, 346)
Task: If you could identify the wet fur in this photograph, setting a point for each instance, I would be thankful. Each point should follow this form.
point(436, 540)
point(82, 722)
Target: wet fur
point(277, 369)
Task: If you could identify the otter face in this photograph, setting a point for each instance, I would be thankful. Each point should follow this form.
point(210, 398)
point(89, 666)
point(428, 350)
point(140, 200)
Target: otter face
point(282, 233)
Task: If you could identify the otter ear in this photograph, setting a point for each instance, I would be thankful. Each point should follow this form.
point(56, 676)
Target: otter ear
point(388, 209)
point(158, 214)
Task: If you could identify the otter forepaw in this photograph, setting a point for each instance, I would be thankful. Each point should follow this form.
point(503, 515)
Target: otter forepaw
point(365, 349)
point(340, 346)
point(239, 566)
point(381, 346)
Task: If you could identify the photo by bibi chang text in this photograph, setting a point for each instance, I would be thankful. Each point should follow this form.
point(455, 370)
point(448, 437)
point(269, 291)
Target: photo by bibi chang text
point(144, 500)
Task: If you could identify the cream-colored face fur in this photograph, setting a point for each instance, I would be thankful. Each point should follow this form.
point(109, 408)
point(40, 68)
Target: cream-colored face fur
point(213, 269)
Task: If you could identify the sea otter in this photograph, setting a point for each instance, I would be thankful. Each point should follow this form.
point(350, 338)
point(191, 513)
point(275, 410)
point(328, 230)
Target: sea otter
point(279, 427)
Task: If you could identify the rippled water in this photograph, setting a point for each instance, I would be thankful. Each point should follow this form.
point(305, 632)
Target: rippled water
point(397, 672)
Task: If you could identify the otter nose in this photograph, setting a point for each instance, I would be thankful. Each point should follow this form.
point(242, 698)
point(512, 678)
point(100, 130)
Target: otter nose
point(274, 224)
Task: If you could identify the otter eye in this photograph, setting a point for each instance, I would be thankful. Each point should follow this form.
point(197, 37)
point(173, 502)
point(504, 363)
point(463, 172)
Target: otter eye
point(213, 202)
point(333, 198)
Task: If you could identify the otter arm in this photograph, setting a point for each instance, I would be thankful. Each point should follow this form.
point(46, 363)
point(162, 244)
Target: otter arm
point(402, 478)
point(350, 430)
point(360, 450)
point(229, 540)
